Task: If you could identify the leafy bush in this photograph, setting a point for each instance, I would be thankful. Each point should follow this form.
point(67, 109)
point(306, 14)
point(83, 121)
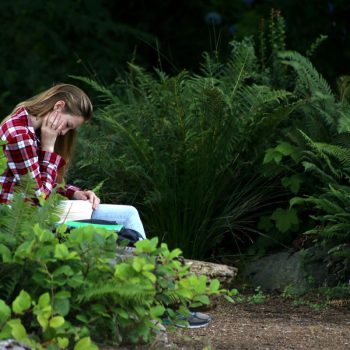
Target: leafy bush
point(187, 149)
point(60, 290)
point(313, 157)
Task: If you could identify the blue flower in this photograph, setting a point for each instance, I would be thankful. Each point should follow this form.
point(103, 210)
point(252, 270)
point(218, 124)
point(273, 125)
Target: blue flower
point(248, 2)
point(330, 6)
point(213, 18)
point(232, 29)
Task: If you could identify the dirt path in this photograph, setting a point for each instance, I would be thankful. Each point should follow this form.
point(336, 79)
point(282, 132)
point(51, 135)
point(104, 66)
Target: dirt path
point(275, 324)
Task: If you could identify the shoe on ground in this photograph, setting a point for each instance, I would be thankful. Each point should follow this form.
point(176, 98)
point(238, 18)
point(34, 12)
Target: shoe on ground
point(193, 320)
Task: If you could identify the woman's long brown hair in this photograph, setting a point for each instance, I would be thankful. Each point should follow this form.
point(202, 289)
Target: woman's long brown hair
point(76, 103)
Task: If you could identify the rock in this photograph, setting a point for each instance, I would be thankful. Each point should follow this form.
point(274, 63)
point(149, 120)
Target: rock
point(224, 273)
point(299, 271)
point(11, 344)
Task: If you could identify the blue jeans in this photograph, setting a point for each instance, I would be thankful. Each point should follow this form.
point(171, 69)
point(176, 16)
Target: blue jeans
point(126, 215)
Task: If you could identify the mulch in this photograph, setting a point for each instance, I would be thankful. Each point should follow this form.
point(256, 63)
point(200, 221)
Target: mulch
point(275, 324)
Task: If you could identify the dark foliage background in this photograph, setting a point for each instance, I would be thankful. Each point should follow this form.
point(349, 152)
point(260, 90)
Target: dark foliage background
point(42, 42)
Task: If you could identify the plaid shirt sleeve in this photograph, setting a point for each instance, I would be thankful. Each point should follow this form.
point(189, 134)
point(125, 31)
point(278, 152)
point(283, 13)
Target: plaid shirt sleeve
point(25, 158)
point(68, 191)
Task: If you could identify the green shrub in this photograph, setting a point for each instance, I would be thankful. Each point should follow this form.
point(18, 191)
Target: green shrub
point(60, 290)
point(65, 287)
point(186, 149)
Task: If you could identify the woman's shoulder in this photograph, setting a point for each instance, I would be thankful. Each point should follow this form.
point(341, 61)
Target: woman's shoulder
point(16, 125)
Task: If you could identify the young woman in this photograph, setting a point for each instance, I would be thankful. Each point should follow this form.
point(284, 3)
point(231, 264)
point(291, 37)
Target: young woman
point(39, 136)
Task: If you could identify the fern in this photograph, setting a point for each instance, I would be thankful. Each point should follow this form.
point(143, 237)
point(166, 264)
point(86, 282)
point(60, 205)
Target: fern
point(118, 292)
point(309, 80)
point(315, 45)
point(10, 276)
point(18, 218)
point(105, 93)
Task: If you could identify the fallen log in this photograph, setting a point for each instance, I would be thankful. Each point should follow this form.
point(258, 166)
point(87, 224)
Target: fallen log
point(224, 273)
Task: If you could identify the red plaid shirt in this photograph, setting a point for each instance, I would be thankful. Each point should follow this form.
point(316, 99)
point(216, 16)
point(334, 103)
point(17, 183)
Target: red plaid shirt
point(25, 156)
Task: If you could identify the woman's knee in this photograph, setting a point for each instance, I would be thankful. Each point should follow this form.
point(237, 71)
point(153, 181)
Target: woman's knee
point(132, 210)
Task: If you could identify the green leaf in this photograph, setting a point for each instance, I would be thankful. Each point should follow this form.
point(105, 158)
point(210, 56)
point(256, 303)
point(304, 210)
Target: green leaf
point(82, 318)
point(43, 235)
point(272, 156)
point(56, 322)
point(148, 267)
point(44, 300)
point(175, 253)
point(22, 302)
point(146, 245)
point(293, 182)
point(61, 306)
point(5, 253)
point(17, 329)
point(285, 219)
point(229, 299)
point(122, 271)
point(24, 249)
point(265, 223)
point(62, 342)
point(122, 313)
point(63, 270)
point(296, 201)
point(203, 299)
point(63, 294)
point(150, 276)
point(214, 286)
point(76, 281)
point(157, 311)
point(5, 332)
point(61, 251)
point(286, 148)
point(43, 321)
point(85, 344)
point(136, 266)
point(5, 312)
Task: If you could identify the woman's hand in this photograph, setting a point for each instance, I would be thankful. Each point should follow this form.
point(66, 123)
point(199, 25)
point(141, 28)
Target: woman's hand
point(51, 127)
point(87, 196)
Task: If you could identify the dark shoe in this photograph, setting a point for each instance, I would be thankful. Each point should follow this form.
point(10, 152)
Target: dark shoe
point(196, 320)
point(193, 320)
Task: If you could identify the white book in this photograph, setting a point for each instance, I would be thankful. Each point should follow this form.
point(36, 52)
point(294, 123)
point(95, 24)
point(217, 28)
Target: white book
point(71, 210)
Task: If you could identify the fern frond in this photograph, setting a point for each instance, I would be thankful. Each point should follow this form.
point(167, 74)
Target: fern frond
point(242, 65)
point(105, 93)
point(125, 291)
point(315, 45)
point(321, 152)
point(19, 217)
point(309, 80)
point(210, 67)
point(318, 172)
point(10, 275)
point(256, 97)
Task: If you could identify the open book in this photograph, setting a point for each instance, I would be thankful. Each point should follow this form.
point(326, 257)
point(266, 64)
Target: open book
point(71, 210)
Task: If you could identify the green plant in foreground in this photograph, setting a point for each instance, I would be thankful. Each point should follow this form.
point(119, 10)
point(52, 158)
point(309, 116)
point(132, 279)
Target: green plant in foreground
point(72, 291)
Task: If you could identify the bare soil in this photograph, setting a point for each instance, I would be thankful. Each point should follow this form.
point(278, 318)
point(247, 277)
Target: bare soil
point(275, 324)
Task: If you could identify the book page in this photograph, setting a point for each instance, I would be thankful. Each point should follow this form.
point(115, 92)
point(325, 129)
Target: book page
point(71, 210)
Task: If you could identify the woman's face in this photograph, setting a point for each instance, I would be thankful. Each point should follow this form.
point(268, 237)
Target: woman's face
point(70, 122)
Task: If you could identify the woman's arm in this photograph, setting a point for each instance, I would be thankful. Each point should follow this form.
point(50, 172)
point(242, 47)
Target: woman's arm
point(69, 191)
